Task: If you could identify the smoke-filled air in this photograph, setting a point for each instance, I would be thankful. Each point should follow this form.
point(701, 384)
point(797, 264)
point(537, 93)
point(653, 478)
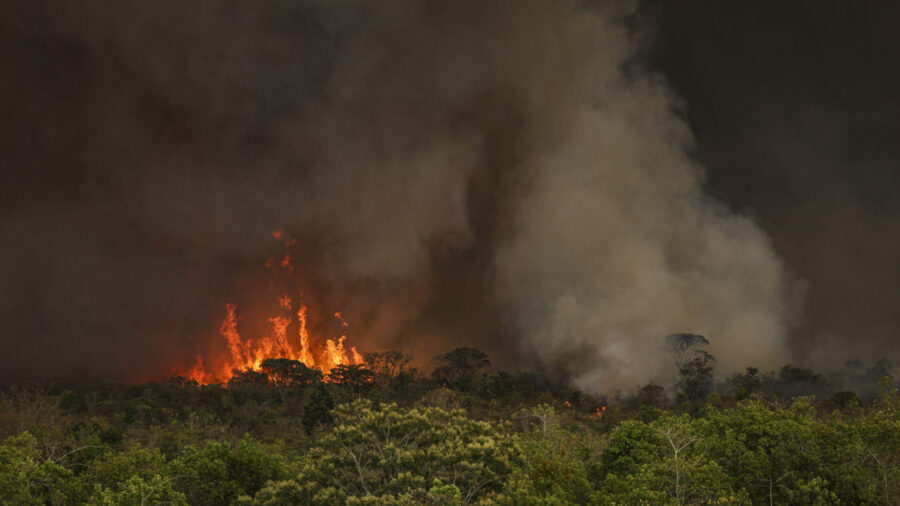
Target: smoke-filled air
point(449, 252)
point(505, 175)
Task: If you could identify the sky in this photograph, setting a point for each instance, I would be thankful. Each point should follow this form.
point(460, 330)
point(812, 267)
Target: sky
point(796, 110)
point(561, 184)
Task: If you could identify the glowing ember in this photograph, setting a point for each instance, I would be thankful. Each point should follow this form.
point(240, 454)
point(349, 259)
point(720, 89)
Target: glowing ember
point(282, 343)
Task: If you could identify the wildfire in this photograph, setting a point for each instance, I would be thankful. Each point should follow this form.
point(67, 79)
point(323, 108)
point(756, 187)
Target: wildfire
point(289, 338)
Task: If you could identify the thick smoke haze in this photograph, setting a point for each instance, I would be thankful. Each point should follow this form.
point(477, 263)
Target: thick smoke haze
point(505, 175)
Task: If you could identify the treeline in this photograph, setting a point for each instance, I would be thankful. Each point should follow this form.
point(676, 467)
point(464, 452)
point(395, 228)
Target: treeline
point(383, 433)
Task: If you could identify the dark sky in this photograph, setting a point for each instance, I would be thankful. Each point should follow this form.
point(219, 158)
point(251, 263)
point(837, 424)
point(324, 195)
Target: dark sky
point(148, 149)
point(796, 109)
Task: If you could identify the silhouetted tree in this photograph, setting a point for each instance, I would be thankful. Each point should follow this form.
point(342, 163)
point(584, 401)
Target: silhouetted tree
point(249, 384)
point(457, 369)
point(495, 385)
point(317, 410)
point(285, 373)
point(387, 363)
point(742, 385)
point(354, 377)
point(651, 395)
point(685, 346)
point(695, 365)
point(697, 377)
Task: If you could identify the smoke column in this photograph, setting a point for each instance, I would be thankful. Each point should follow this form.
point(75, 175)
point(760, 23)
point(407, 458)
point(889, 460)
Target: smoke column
point(485, 173)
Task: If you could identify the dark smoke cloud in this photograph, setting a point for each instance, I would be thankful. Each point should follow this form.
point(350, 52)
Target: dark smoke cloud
point(504, 175)
point(796, 109)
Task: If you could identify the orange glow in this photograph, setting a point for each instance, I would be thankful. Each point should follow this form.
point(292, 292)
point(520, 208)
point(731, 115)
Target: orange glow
point(305, 355)
point(288, 337)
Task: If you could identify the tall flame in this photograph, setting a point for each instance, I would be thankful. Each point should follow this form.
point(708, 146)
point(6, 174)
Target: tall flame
point(246, 354)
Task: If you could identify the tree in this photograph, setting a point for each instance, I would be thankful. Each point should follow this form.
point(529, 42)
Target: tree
point(651, 395)
point(662, 463)
point(386, 365)
point(284, 374)
point(26, 478)
point(695, 365)
point(697, 377)
point(317, 410)
point(457, 368)
point(135, 491)
point(685, 347)
point(742, 385)
point(880, 433)
point(354, 377)
point(495, 385)
point(390, 454)
point(219, 472)
point(557, 461)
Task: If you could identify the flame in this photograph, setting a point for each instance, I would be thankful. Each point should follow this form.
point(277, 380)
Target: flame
point(305, 355)
point(244, 353)
point(230, 333)
point(286, 262)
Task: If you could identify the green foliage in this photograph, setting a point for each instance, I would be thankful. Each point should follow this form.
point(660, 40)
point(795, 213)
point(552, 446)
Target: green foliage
point(284, 437)
point(557, 461)
point(219, 473)
point(318, 410)
point(138, 492)
point(26, 478)
point(387, 453)
point(113, 468)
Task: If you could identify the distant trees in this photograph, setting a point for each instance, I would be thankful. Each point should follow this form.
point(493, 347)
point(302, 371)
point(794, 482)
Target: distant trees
point(386, 365)
point(177, 442)
point(317, 411)
point(356, 378)
point(285, 374)
point(695, 365)
point(457, 368)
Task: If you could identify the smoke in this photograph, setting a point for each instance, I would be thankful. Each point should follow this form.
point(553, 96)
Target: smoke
point(483, 173)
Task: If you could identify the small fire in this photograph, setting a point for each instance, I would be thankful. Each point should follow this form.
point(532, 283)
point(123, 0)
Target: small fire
point(282, 342)
point(600, 411)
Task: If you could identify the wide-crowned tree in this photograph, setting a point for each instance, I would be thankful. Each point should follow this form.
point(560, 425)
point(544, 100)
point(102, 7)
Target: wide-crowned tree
point(391, 455)
point(457, 369)
point(285, 374)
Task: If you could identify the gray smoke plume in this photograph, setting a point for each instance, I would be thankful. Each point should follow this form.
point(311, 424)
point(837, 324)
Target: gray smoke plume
point(485, 173)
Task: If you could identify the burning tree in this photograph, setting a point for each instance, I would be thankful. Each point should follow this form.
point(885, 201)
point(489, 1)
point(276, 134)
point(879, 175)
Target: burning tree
point(295, 351)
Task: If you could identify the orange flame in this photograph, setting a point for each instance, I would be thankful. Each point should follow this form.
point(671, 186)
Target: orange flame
point(246, 354)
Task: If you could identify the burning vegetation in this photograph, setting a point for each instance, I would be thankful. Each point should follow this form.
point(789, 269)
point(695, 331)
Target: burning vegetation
point(288, 337)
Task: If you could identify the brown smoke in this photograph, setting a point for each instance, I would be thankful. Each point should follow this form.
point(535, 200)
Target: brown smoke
point(486, 173)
